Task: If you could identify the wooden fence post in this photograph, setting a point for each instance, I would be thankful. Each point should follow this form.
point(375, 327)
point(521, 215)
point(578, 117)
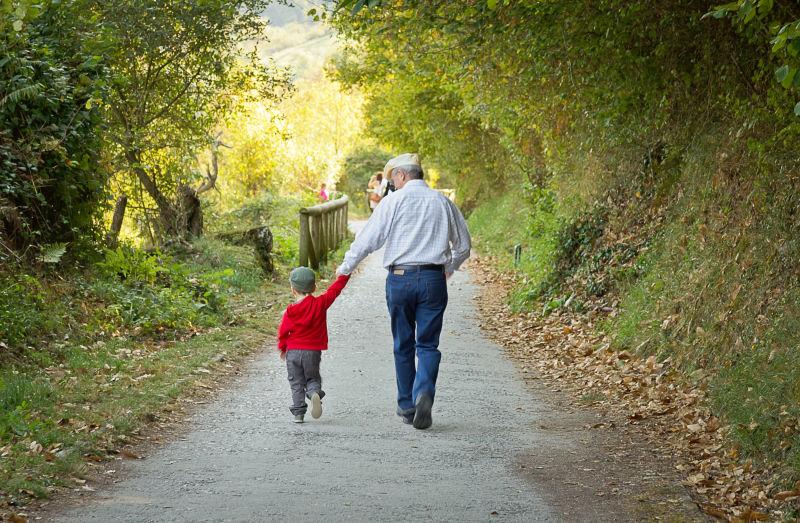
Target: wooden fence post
point(322, 227)
point(305, 240)
point(316, 241)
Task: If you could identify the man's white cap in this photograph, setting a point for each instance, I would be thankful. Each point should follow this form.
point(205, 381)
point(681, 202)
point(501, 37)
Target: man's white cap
point(403, 160)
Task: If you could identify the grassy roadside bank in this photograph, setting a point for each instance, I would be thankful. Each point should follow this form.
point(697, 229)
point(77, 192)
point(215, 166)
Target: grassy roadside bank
point(97, 355)
point(677, 280)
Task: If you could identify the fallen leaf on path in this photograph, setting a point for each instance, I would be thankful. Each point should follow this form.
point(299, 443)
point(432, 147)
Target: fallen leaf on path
point(128, 454)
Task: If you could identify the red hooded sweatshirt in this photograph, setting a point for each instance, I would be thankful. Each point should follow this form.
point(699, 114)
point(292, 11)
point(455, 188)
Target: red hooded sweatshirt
point(305, 323)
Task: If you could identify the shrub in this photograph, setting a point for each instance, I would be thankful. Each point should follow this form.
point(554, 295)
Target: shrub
point(152, 292)
point(23, 309)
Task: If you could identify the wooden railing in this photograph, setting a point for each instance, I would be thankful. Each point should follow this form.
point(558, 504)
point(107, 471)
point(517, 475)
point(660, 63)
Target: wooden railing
point(322, 227)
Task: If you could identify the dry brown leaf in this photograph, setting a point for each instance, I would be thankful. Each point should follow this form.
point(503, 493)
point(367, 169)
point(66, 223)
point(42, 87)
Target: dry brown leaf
point(714, 511)
point(128, 454)
point(785, 494)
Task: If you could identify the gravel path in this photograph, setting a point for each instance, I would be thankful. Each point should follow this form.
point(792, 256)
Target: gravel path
point(244, 460)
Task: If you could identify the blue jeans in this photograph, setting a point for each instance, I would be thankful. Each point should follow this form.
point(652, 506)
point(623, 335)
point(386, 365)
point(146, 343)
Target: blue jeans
point(416, 300)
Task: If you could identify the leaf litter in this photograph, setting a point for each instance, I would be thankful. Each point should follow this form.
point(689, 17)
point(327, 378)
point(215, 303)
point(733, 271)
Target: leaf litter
point(566, 348)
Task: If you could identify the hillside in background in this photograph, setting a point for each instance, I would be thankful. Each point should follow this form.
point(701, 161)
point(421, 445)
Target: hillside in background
point(296, 41)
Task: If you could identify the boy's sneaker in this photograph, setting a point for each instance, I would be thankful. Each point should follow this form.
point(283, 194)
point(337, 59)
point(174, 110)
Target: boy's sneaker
point(298, 418)
point(316, 406)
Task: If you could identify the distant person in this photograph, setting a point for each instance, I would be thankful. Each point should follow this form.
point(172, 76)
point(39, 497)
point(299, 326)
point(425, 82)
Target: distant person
point(323, 193)
point(302, 336)
point(373, 186)
point(426, 240)
point(375, 181)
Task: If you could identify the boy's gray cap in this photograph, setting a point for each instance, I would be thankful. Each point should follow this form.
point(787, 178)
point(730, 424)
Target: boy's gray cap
point(302, 279)
point(400, 161)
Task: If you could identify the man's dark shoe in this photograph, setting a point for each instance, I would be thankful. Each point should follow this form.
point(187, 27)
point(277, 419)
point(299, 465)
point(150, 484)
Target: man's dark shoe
point(422, 416)
point(406, 415)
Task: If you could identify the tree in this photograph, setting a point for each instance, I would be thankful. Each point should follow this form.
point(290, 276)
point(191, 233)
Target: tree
point(177, 72)
point(51, 183)
point(359, 166)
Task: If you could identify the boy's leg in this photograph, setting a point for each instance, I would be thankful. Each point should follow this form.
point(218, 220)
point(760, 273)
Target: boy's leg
point(297, 381)
point(311, 364)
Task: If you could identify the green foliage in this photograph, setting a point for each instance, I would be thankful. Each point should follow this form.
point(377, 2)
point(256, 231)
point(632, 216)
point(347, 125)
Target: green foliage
point(132, 265)
point(23, 309)
point(575, 242)
point(152, 292)
point(359, 166)
point(279, 213)
point(762, 21)
point(531, 222)
point(52, 254)
point(232, 268)
point(19, 396)
point(190, 54)
point(51, 183)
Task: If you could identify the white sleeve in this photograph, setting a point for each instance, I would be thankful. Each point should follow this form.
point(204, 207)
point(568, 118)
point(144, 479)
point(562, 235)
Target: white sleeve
point(370, 239)
point(460, 241)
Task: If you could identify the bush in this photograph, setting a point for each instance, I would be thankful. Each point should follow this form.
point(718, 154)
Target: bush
point(152, 292)
point(23, 309)
point(51, 185)
point(359, 166)
point(280, 214)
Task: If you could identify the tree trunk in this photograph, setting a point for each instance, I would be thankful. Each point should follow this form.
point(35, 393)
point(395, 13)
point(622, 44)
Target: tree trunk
point(184, 218)
point(10, 224)
point(190, 217)
point(168, 215)
point(112, 238)
point(261, 238)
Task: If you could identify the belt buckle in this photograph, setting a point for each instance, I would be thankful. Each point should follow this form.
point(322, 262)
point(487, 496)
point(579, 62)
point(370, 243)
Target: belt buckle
point(398, 272)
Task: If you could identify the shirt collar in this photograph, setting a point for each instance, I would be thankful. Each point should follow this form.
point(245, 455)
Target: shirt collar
point(416, 182)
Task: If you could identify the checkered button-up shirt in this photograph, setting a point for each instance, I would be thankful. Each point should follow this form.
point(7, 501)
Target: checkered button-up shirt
point(418, 225)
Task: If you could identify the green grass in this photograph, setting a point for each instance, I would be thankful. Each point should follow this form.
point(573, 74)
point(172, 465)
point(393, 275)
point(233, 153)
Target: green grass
point(90, 404)
point(499, 225)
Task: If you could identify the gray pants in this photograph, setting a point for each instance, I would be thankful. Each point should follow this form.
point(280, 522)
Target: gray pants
point(304, 378)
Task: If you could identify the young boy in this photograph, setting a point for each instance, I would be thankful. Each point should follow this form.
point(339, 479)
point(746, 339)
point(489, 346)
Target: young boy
point(303, 335)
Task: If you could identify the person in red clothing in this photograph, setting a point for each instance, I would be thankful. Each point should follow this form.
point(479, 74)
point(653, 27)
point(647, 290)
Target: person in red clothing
point(303, 335)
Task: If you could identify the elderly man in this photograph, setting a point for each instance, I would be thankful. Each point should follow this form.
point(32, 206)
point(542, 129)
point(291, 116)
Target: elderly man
point(426, 240)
